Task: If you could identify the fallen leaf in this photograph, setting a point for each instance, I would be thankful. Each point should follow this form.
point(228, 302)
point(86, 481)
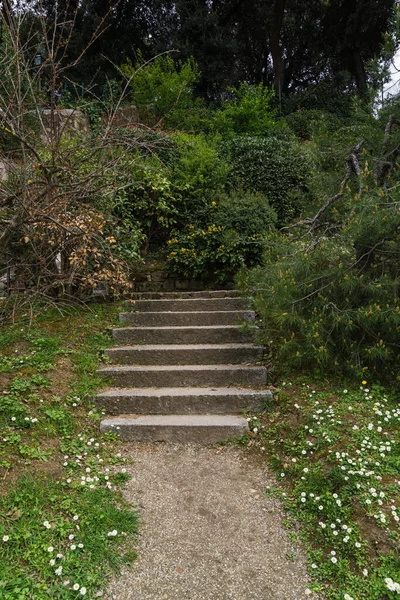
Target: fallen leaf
point(14, 514)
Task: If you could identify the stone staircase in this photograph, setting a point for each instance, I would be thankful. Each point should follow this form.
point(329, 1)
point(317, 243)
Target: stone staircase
point(185, 370)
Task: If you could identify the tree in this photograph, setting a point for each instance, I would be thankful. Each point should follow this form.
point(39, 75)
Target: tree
point(55, 229)
point(285, 43)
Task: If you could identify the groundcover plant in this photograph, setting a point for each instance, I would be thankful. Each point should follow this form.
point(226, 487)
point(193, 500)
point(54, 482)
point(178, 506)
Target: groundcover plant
point(64, 526)
point(336, 452)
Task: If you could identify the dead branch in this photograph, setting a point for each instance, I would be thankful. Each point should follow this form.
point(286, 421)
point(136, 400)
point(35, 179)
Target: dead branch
point(352, 166)
point(383, 167)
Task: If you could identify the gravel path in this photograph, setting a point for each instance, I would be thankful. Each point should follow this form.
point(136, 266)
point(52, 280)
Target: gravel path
point(207, 530)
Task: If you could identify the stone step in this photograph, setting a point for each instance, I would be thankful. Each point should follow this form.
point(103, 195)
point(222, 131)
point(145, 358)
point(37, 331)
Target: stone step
point(185, 354)
point(204, 318)
point(216, 334)
point(174, 295)
point(187, 400)
point(186, 375)
point(188, 304)
point(202, 429)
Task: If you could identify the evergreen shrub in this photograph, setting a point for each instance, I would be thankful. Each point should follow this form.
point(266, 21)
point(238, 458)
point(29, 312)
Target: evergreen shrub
point(214, 253)
point(247, 213)
point(162, 88)
point(306, 122)
point(234, 237)
point(199, 175)
point(278, 168)
point(249, 112)
point(333, 303)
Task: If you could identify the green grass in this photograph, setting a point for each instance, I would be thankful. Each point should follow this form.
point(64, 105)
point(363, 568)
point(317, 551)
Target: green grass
point(336, 452)
point(58, 477)
point(58, 538)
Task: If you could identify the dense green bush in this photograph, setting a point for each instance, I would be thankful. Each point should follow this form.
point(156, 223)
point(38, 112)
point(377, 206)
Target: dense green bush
point(199, 176)
point(333, 147)
point(149, 202)
point(247, 213)
point(162, 88)
point(325, 96)
point(333, 303)
point(213, 254)
point(248, 113)
point(234, 237)
point(307, 122)
point(278, 168)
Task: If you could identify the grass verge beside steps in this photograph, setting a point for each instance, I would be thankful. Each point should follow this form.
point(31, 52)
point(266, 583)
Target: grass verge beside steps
point(64, 526)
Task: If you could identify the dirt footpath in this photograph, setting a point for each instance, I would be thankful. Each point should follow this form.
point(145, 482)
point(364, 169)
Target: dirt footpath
point(207, 529)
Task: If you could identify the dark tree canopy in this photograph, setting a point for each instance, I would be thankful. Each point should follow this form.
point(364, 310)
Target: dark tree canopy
point(290, 44)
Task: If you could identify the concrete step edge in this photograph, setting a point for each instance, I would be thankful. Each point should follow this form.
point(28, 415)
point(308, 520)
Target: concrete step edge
point(195, 304)
point(172, 347)
point(204, 420)
point(183, 392)
point(185, 294)
point(244, 315)
point(199, 429)
point(168, 368)
point(194, 312)
point(185, 327)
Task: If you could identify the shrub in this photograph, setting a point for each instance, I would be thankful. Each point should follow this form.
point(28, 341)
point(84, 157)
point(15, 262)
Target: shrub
point(334, 303)
point(199, 175)
point(333, 147)
point(248, 113)
point(147, 205)
point(277, 168)
point(162, 88)
point(326, 96)
point(306, 122)
point(213, 253)
point(247, 213)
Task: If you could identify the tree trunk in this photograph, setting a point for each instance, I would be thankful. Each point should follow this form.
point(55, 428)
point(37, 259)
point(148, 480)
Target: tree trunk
point(276, 48)
point(359, 73)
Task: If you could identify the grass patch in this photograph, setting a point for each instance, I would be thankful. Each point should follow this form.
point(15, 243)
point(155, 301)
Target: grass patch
point(64, 526)
point(336, 453)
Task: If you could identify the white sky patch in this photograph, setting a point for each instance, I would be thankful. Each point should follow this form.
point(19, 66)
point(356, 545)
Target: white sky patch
point(393, 86)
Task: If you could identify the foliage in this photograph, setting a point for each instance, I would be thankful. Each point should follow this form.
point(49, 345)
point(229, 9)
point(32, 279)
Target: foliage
point(248, 113)
point(213, 253)
point(275, 167)
point(67, 245)
point(326, 97)
point(319, 41)
point(199, 175)
point(332, 147)
point(55, 230)
point(247, 213)
point(161, 87)
point(148, 202)
point(335, 450)
point(306, 123)
point(333, 303)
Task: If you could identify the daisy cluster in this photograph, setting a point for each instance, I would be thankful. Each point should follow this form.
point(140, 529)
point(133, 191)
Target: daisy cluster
point(340, 451)
point(73, 545)
point(86, 468)
point(391, 585)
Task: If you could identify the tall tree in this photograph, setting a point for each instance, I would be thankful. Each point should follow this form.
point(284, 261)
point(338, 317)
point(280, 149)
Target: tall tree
point(286, 43)
point(276, 44)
